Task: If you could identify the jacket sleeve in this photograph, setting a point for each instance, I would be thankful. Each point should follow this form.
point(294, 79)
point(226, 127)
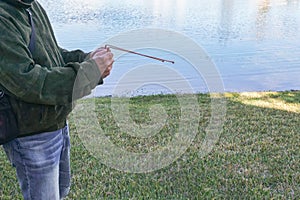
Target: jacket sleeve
point(33, 83)
point(73, 56)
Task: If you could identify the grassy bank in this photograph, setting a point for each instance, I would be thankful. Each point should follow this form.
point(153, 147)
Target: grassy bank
point(256, 156)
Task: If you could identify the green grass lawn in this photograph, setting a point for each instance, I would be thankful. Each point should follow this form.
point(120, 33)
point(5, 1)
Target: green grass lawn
point(256, 156)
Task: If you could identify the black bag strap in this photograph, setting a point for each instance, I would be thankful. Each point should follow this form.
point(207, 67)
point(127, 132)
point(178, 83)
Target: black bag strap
point(32, 35)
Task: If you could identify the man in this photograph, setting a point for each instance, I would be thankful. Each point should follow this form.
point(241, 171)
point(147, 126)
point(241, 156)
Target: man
point(39, 83)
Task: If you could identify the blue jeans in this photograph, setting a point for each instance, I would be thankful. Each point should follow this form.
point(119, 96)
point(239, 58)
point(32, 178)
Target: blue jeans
point(42, 163)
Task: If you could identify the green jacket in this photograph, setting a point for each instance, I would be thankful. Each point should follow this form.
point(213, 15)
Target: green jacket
point(41, 86)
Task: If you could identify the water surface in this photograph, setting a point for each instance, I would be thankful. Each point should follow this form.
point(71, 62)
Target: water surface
point(255, 44)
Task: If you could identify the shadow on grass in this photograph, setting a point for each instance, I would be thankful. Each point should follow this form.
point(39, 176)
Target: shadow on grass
point(257, 156)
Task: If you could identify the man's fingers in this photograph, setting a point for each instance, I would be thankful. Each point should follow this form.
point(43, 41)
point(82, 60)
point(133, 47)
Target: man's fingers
point(104, 60)
point(104, 53)
point(99, 51)
point(108, 70)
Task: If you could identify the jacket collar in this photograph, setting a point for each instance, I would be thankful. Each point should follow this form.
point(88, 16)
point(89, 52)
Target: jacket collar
point(20, 3)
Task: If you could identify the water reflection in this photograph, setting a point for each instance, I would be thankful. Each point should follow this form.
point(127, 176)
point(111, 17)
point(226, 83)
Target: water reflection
point(261, 19)
point(226, 20)
point(277, 19)
point(254, 43)
point(167, 11)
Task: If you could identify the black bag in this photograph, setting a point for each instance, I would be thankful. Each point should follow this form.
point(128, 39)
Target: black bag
point(8, 123)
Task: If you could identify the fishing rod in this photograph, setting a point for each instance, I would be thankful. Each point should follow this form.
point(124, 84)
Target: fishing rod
point(140, 54)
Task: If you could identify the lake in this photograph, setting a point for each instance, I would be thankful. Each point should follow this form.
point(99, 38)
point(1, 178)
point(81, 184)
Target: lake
point(254, 45)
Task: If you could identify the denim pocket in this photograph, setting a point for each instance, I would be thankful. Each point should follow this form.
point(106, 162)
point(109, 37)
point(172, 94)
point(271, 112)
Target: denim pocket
point(8, 123)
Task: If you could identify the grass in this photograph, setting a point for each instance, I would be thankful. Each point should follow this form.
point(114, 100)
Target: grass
point(256, 156)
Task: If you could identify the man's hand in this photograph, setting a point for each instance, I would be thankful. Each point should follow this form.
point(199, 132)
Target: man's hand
point(104, 60)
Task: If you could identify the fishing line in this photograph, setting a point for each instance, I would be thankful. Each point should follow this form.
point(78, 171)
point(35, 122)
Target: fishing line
point(140, 54)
